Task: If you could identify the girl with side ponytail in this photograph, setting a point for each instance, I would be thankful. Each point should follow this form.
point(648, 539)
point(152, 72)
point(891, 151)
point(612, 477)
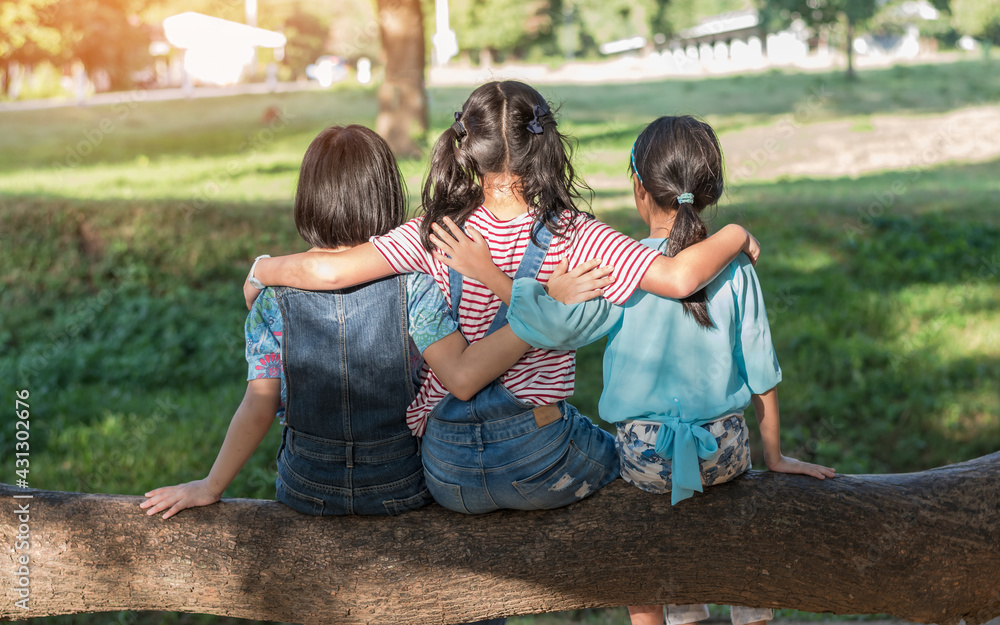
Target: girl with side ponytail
point(677, 374)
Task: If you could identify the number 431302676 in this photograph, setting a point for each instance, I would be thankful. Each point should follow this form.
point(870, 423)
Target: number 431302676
point(22, 426)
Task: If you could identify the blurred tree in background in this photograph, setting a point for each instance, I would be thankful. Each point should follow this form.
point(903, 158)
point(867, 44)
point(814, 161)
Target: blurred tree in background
point(978, 18)
point(28, 38)
point(818, 13)
point(307, 39)
point(402, 97)
point(491, 26)
point(104, 35)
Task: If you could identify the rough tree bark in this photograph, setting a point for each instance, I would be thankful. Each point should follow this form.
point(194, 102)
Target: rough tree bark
point(402, 100)
point(922, 546)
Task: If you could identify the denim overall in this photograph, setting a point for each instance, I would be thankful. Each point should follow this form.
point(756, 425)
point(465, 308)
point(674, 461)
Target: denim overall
point(346, 448)
point(496, 451)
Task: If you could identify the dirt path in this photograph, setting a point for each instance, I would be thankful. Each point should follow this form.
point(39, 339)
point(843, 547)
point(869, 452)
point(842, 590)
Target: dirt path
point(862, 145)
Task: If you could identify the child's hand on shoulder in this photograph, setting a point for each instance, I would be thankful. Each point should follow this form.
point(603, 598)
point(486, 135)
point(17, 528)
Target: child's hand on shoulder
point(468, 255)
point(784, 464)
point(177, 498)
point(585, 282)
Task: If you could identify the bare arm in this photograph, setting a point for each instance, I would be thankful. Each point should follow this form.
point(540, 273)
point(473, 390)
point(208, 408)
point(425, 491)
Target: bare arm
point(694, 267)
point(250, 424)
point(465, 369)
point(470, 256)
point(319, 271)
point(766, 407)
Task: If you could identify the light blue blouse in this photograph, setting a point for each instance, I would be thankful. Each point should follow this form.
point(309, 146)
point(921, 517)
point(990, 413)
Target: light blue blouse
point(659, 364)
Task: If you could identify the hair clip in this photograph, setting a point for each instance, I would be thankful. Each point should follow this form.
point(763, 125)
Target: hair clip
point(458, 126)
point(535, 126)
point(685, 198)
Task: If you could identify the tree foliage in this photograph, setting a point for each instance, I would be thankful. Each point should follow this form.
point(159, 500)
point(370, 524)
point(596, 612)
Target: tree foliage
point(977, 18)
point(102, 34)
point(307, 39)
point(28, 36)
point(609, 20)
point(498, 24)
point(105, 35)
point(819, 13)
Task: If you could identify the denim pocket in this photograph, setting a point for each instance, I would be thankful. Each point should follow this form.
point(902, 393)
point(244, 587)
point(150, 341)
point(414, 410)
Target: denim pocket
point(394, 507)
point(514, 399)
point(447, 495)
point(573, 476)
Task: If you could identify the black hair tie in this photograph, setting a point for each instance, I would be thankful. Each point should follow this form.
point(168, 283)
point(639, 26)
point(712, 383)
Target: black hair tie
point(535, 126)
point(458, 126)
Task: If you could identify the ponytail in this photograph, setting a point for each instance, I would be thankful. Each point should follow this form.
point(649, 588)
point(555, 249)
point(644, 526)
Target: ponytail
point(679, 162)
point(452, 188)
point(687, 230)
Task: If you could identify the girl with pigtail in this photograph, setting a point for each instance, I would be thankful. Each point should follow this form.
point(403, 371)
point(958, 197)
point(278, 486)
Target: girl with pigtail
point(503, 172)
point(678, 373)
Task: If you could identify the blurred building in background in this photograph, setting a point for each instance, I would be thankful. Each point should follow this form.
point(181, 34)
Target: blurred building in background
point(217, 51)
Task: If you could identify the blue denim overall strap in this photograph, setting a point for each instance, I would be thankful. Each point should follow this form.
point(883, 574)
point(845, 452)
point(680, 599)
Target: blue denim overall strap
point(531, 263)
point(346, 363)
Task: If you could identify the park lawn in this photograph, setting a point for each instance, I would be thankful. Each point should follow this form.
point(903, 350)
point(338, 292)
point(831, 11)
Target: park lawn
point(122, 309)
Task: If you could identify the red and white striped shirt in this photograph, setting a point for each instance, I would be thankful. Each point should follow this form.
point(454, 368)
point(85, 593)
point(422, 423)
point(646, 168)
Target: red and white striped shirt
point(541, 376)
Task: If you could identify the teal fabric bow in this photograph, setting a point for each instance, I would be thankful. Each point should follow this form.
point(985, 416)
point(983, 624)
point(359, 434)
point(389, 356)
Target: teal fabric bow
point(683, 443)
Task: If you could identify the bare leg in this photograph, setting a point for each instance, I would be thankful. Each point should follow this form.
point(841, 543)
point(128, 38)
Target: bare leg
point(646, 614)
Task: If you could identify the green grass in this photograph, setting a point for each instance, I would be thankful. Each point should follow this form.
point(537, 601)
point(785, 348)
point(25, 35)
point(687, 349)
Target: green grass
point(122, 310)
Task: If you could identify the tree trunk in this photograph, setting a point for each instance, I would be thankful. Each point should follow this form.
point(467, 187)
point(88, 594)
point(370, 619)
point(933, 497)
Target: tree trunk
point(921, 546)
point(402, 101)
point(850, 48)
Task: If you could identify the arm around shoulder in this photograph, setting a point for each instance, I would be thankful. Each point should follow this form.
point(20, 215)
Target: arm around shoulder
point(321, 270)
point(694, 267)
point(549, 324)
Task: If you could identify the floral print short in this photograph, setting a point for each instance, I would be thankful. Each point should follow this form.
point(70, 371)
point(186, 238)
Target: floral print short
point(643, 468)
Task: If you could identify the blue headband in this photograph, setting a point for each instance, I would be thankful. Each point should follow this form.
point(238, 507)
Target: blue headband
point(634, 167)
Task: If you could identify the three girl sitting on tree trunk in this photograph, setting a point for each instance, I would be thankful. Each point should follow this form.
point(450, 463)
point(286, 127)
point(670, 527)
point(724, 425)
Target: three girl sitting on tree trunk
point(496, 429)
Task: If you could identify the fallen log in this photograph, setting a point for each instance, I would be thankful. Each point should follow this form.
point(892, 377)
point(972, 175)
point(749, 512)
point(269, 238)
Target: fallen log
point(922, 546)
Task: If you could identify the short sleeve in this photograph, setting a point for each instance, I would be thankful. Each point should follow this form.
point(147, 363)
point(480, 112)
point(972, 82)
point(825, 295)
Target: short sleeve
point(543, 322)
point(263, 338)
point(754, 352)
point(430, 316)
point(630, 258)
point(403, 250)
